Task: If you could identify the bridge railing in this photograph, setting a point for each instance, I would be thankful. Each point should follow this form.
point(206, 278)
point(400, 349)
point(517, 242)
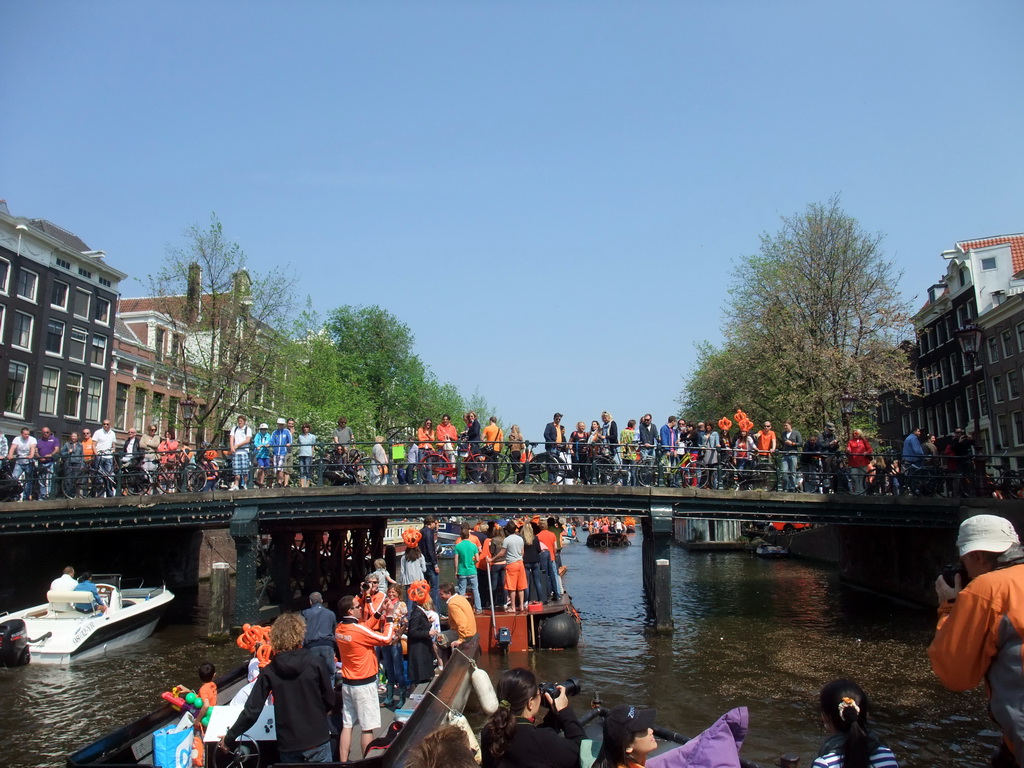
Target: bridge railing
point(185, 468)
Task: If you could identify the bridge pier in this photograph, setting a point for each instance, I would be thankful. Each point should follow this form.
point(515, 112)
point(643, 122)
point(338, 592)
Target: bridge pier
point(657, 533)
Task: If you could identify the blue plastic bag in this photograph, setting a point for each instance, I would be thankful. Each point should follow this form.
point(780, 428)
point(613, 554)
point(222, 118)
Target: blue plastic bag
point(172, 748)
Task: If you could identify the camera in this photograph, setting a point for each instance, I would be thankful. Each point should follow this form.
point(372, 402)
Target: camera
point(572, 688)
point(950, 571)
point(365, 586)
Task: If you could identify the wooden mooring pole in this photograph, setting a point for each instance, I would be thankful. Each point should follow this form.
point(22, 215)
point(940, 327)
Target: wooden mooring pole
point(663, 596)
point(218, 622)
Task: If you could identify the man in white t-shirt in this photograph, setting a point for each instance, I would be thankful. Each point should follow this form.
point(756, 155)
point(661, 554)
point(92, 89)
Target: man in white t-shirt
point(103, 443)
point(241, 436)
point(23, 451)
point(66, 582)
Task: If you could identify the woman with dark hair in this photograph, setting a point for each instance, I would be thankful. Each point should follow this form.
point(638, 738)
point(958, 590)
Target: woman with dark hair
point(511, 738)
point(844, 710)
point(628, 737)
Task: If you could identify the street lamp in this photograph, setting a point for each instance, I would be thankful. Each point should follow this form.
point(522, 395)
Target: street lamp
point(188, 410)
point(969, 338)
point(846, 403)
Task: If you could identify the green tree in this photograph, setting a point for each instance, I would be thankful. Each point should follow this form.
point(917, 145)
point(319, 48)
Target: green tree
point(815, 314)
point(226, 323)
point(376, 358)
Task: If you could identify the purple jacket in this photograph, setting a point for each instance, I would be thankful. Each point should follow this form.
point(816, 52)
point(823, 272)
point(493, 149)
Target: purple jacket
point(717, 747)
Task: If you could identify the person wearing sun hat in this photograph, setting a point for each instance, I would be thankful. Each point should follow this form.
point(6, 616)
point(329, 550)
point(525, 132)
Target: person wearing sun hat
point(980, 634)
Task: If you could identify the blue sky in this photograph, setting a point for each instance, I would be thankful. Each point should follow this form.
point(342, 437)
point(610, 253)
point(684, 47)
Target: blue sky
point(551, 195)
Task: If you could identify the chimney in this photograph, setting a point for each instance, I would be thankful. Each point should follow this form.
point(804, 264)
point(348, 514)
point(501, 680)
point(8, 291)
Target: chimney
point(194, 292)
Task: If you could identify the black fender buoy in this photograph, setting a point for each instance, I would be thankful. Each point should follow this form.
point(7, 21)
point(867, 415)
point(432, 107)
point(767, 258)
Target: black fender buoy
point(559, 631)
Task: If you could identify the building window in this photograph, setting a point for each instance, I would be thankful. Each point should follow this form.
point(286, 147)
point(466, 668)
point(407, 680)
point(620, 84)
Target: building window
point(140, 410)
point(48, 394)
point(993, 350)
point(1018, 428)
point(93, 400)
point(3, 317)
point(1012, 390)
point(161, 336)
point(923, 342)
point(121, 406)
point(940, 333)
point(997, 389)
point(177, 345)
point(76, 345)
point(21, 336)
point(98, 356)
point(5, 275)
point(82, 304)
point(85, 273)
point(102, 311)
point(73, 396)
point(105, 282)
point(1002, 431)
point(59, 295)
point(28, 283)
point(988, 263)
point(62, 263)
point(17, 384)
point(1007, 338)
point(55, 338)
point(947, 378)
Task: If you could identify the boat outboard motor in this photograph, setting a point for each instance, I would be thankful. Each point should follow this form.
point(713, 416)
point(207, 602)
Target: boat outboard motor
point(13, 643)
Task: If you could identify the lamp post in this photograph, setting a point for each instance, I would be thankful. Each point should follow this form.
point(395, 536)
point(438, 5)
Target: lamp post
point(969, 337)
point(846, 403)
point(188, 410)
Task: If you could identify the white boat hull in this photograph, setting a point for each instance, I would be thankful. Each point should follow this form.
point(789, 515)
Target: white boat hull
point(63, 637)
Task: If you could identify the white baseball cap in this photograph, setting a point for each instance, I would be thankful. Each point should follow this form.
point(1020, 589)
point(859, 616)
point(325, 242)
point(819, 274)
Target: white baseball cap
point(281, 420)
point(986, 533)
point(264, 425)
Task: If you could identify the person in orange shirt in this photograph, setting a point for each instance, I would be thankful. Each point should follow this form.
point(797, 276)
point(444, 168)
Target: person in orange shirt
point(858, 451)
point(88, 448)
point(448, 436)
point(373, 599)
point(493, 438)
point(766, 441)
point(425, 437)
point(981, 626)
point(359, 667)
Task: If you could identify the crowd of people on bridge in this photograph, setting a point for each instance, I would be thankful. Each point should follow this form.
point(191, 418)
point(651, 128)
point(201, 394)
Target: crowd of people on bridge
point(289, 455)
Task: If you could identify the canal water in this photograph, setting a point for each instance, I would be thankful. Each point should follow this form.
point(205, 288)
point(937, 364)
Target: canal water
point(765, 634)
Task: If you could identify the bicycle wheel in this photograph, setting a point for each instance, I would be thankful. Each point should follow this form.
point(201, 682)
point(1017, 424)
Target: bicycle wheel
point(477, 469)
point(504, 471)
point(605, 470)
point(193, 479)
point(86, 485)
point(135, 481)
point(439, 468)
point(645, 474)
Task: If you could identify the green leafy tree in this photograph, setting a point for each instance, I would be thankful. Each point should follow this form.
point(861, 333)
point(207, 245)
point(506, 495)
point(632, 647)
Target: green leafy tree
point(376, 358)
point(815, 314)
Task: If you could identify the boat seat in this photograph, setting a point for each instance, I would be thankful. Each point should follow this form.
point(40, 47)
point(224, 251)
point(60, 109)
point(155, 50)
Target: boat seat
point(61, 601)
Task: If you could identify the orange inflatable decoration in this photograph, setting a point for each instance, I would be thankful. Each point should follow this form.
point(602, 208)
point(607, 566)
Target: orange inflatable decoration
point(263, 653)
point(725, 424)
point(419, 591)
point(411, 537)
point(252, 635)
point(743, 421)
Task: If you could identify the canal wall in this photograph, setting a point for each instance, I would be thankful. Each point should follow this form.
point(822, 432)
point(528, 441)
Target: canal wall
point(902, 562)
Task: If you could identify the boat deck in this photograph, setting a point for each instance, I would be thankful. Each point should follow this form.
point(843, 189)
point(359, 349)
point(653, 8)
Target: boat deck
point(522, 627)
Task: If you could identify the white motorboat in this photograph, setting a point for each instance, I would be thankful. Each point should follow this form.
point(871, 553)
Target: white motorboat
point(56, 632)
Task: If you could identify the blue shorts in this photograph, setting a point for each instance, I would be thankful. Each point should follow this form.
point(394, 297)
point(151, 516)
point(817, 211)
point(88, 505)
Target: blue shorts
point(263, 462)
